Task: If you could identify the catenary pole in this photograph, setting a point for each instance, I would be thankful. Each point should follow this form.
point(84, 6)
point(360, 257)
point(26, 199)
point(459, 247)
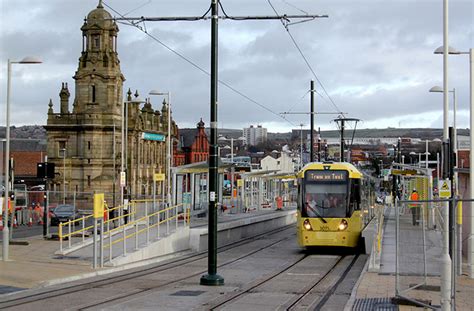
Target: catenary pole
point(212, 278)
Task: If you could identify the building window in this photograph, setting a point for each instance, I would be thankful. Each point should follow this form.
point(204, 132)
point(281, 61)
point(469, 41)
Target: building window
point(93, 93)
point(89, 145)
point(61, 147)
point(96, 42)
point(88, 180)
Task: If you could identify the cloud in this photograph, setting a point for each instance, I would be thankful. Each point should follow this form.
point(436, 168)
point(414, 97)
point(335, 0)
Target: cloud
point(375, 59)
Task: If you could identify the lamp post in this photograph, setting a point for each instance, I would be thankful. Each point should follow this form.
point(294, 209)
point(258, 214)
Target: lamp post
point(64, 175)
point(124, 146)
point(450, 50)
point(26, 60)
point(169, 151)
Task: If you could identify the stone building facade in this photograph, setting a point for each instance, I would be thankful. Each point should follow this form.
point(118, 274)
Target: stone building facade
point(86, 143)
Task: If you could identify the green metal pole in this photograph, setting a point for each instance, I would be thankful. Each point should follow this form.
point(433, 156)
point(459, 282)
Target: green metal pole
point(212, 278)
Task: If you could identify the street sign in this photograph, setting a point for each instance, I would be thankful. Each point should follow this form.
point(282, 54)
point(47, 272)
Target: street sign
point(444, 188)
point(122, 179)
point(159, 177)
point(386, 172)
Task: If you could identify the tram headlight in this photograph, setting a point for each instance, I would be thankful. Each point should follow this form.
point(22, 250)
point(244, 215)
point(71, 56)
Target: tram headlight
point(343, 225)
point(307, 225)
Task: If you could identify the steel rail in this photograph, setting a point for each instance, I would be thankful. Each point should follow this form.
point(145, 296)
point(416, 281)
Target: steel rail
point(14, 301)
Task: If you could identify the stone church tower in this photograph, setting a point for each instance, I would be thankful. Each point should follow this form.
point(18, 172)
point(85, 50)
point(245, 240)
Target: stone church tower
point(85, 143)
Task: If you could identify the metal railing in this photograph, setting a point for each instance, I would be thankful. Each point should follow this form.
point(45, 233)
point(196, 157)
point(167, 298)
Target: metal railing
point(141, 221)
point(73, 231)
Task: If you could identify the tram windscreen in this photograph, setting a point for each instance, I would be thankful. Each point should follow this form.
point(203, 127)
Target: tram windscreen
point(325, 200)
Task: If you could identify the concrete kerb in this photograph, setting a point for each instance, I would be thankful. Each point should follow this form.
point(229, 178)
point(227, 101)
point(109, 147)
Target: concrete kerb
point(198, 235)
point(352, 298)
point(106, 271)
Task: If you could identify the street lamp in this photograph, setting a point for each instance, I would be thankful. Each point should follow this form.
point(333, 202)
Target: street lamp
point(439, 89)
point(64, 175)
point(169, 151)
point(124, 145)
point(26, 60)
point(450, 50)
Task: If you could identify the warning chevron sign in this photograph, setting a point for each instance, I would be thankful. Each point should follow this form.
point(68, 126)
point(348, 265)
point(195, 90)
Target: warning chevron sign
point(444, 188)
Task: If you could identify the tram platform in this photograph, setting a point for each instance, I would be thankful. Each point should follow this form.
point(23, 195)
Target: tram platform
point(35, 265)
point(375, 289)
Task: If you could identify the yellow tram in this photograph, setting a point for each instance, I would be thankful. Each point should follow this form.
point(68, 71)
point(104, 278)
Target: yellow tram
point(335, 203)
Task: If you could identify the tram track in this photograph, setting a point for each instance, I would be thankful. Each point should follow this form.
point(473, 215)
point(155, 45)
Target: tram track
point(322, 288)
point(19, 300)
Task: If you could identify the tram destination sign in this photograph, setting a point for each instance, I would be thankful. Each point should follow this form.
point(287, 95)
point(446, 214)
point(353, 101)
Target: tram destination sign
point(326, 175)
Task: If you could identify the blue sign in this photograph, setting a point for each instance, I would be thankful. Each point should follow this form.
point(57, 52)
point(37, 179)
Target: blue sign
point(153, 136)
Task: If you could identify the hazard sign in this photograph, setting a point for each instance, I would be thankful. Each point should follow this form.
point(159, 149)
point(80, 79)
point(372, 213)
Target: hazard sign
point(444, 188)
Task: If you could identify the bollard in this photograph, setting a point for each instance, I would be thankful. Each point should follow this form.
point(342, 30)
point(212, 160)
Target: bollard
point(124, 238)
point(147, 224)
point(101, 249)
point(167, 221)
point(136, 235)
point(60, 229)
point(110, 240)
point(83, 228)
point(69, 234)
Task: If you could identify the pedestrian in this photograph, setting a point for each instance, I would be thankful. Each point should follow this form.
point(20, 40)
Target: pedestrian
point(125, 210)
point(415, 207)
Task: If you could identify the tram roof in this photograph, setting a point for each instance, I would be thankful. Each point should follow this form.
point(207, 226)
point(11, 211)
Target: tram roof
point(200, 168)
point(269, 174)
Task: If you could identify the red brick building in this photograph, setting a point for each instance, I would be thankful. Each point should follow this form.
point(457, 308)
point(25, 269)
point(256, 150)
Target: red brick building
point(194, 145)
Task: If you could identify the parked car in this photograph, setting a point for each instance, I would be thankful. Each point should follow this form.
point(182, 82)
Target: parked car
point(63, 213)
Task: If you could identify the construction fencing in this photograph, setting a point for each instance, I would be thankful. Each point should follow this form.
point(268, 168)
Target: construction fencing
point(425, 245)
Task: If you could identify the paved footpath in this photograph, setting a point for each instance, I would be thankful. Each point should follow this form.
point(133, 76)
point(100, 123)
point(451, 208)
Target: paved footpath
point(375, 289)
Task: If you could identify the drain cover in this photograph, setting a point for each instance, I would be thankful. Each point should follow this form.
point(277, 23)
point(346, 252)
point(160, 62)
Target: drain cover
point(188, 293)
point(374, 304)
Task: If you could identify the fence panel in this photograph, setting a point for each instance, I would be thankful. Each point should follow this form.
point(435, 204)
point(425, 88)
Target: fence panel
point(419, 252)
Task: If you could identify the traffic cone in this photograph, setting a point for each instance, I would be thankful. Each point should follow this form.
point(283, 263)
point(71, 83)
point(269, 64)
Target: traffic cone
point(15, 224)
point(30, 222)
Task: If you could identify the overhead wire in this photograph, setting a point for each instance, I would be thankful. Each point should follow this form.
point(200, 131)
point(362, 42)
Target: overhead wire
point(136, 25)
point(305, 59)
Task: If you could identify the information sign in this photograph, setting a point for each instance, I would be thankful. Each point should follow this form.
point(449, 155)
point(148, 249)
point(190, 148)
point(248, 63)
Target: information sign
point(159, 177)
point(444, 188)
point(122, 179)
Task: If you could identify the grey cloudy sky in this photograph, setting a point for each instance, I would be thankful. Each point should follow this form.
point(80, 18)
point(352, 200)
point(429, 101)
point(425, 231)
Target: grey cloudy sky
point(375, 59)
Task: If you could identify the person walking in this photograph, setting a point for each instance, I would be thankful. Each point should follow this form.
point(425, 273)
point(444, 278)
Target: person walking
point(415, 208)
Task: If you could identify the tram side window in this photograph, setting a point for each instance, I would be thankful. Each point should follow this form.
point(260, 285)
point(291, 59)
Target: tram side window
point(355, 194)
